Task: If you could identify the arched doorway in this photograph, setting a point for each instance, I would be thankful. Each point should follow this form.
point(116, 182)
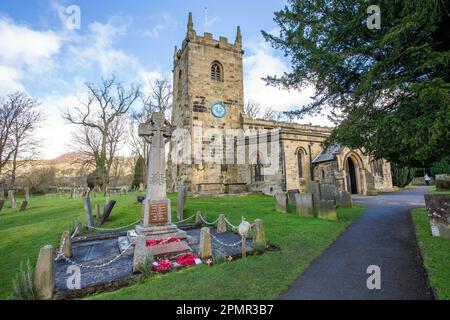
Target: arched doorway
point(352, 183)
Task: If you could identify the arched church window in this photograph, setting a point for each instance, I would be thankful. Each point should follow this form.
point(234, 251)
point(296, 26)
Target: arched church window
point(300, 163)
point(216, 71)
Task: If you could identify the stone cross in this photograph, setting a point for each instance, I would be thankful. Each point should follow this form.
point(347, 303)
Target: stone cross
point(154, 132)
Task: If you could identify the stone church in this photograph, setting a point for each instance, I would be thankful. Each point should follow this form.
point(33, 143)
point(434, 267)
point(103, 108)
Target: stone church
point(208, 93)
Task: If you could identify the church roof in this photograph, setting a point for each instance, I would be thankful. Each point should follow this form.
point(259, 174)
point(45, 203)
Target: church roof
point(328, 154)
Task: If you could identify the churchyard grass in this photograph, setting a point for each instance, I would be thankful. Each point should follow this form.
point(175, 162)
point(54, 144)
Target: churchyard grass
point(435, 254)
point(260, 277)
point(439, 191)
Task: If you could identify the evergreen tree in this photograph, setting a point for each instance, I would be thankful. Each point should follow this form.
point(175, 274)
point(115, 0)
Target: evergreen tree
point(389, 88)
point(138, 177)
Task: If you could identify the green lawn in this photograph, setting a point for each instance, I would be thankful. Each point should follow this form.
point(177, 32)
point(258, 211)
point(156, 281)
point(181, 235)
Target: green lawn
point(439, 191)
point(257, 277)
point(436, 254)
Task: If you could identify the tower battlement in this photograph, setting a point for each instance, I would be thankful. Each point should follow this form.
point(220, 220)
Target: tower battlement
point(207, 39)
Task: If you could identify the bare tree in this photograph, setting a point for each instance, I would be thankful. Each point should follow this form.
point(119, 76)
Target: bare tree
point(158, 99)
point(101, 121)
point(254, 110)
point(19, 118)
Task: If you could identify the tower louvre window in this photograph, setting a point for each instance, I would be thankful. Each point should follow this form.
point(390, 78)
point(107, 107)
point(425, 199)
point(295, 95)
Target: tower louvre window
point(216, 71)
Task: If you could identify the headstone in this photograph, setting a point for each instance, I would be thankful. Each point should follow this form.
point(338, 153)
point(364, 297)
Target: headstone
point(314, 189)
point(304, 204)
point(65, 245)
point(27, 194)
point(12, 199)
point(281, 202)
point(181, 201)
point(141, 187)
point(327, 191)
point(439, 214)
point(44, 273)
point(97, 211)
point(2, 203)
point(442, 181)
point(292, 193)
point(23, 205)
point(343, 199)
point(88, 211)
point(2, 192)
point(109, 205)
point(221, 224)
point(327, 210)
point(141, 252)
point(205, 249)
point(260, 234)
point(156, 212)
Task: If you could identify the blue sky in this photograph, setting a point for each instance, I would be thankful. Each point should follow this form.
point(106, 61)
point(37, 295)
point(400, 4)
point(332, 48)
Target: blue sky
point(133, 39)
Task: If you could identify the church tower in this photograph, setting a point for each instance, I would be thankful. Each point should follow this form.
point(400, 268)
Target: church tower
point(207, 93)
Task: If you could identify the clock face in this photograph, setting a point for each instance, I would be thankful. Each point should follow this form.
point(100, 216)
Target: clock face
point(218, 110)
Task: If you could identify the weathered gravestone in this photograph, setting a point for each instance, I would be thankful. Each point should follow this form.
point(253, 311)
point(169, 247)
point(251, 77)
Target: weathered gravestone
point(327, 210)
point(44, 273)
point(281, 202)
point(182, 190)
point(109, 205)
point(343, 199)
point(97, 212)
point(314, 189)
point(12, 199)
point(327, 192)
point(292, 193)
point(2, 203)
point(88, 211)
point(23, 205)
point(2, 192)
point(205, 249)
point(439, 214)
point(304, 204)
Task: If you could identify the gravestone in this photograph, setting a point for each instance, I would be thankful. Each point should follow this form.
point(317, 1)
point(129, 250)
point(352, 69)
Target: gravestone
point(292, 193)
point(23, 205)
point(327, 210)
point(65, 245)
point(205, 249)
point(304, 204)
point(109, 205)
point(343, 199)
point(44, 273)
point(2, 192)
point(156, 219)
point(327, 191)
point(442, 181)
point(97, 212)
point(88, 211)
point(260, 234)
point(439, 214)
point(182, 190)
point(12, 199)
point(2, 203)
point(314, 189)
point(281, 202)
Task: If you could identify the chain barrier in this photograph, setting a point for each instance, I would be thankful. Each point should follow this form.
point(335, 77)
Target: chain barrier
point(98, 265)
point(230, 224)
point(112, 229)
point(208, 223)
point(226, 244)
point(185, 219)
point(74, 233)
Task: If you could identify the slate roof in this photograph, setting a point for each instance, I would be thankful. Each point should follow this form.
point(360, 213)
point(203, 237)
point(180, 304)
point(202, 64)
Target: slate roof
point(328, 154)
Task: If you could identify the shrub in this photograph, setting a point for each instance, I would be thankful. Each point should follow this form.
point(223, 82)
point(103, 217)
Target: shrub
point(219, 256)
point(23, 286)
point(402, 176)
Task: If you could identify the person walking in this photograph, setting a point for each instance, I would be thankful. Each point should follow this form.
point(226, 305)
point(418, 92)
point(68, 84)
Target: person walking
point(427, 179)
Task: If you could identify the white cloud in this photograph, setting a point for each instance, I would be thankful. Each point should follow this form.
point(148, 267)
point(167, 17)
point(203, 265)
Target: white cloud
point(261, 62)
point(24, 53)
point(165, 21)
